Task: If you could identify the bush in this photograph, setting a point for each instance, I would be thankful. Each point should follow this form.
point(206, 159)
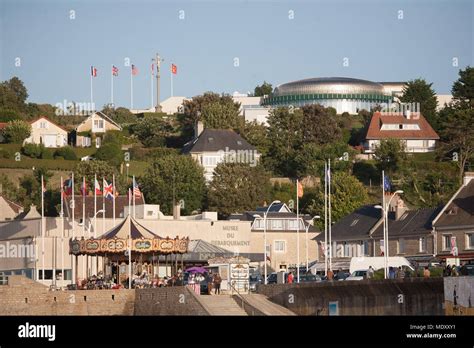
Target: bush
point(33, 150)
point(47, 154)
point(4, 153)
point(66, 152)
point(111, 153)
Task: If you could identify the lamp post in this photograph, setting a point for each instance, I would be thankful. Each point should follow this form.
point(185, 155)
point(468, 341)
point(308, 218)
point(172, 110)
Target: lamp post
point(127, 165)
point(265, 237)
point(385, 229)
point(310, 223)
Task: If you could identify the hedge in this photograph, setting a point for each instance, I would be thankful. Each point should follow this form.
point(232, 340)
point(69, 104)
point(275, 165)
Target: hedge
point(28, 163)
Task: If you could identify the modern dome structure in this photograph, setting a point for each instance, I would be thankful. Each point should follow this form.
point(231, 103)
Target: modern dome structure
point(342, 93)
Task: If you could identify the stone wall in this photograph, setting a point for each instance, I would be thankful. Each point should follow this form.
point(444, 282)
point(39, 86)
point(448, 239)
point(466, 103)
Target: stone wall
point(459, 295)
point(23, 296)
point(176, 300)
point(412, 296)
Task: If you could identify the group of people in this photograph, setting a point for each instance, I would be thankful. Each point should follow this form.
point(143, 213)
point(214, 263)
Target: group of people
point(213, 281)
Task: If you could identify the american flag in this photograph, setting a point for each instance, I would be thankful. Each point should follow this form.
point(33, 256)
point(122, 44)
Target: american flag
point(136, 190)
point(114, 70)
point(134, 70)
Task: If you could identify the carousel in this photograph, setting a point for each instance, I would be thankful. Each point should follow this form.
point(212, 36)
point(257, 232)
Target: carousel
point(130, 249)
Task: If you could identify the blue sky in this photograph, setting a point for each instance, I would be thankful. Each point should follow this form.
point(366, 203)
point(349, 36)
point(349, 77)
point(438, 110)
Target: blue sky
point(56, 52)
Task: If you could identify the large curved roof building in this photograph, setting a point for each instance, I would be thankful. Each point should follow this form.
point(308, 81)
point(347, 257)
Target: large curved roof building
point(342, 93)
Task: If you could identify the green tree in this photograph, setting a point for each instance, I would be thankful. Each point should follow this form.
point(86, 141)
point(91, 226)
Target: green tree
point(318, 126)
point(214, 110)
point(87, 169)
point(174, 177)
point(120, 115)
point(458, 138)
point(152, 131)
point(13, 94)
point(17, 131)
point(419, 91)
point(389, 154)
point(264, 89)
point(256, 134)
point(110, 153)
point(347, 195)
point(237, 187)
point(463, 89)
point(284, 133)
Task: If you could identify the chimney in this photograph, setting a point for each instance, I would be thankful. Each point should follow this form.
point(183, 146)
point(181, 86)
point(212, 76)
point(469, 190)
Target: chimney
point(400, 209)
point(177, 211)
point(198, 128)
point(468, 176)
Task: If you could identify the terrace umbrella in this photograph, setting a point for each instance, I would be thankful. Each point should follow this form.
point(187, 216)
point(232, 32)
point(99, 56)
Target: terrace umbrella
point(197, 270)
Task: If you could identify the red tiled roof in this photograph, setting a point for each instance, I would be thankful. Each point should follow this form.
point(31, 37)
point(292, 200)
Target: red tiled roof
point(378, 119)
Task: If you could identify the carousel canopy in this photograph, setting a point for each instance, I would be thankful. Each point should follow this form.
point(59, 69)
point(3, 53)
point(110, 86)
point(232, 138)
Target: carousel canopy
point(128, 235)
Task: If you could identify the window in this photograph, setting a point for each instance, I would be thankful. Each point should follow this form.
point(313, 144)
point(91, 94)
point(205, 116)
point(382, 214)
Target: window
point(400, 126)
point(470, 240)
point(276, 224)
point(280, 246)
point(99, 124)
point(446, 242)
point(292, 224)
point(43, 125)
point(149, 212)
point(422, 245)
point(401, 246)
point(258, 224)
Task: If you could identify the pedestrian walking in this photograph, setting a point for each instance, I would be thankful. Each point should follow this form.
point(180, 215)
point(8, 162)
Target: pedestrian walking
point(370, 273)
point(217, 284)
point(426, 272)
point(290, 278)
point(330, 274)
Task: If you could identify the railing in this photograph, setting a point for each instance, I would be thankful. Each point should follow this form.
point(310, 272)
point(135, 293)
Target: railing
point(247, 307)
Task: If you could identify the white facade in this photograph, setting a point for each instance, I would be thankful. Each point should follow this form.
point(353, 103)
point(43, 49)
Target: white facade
point(45, 132)
point(413, 146)
point(258, 114)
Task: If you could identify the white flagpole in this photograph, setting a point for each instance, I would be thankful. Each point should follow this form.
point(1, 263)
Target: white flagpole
point(95, 204)
point(74, 270)
point(384, 226)
point(171, 71)
point(112, 84)
point(113, 200)
point(84, 270)
point(42, 228)
point(62, 230)
point(325, 218)
point(329, 213)
point(131, 88)
point(129, 246)
point(92, 95)
point(297, 233)
point(103, 205)
point(133, 193)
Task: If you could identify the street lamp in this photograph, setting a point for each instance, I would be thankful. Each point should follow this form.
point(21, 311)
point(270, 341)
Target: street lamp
point(310, 223)
point(385, 229)
point(127, 165)
point(265, 236)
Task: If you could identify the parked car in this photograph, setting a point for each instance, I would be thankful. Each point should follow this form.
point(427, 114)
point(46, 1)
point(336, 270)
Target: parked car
point(308, 278)
point(341, 275)
point(358, 275)
point(254, 280)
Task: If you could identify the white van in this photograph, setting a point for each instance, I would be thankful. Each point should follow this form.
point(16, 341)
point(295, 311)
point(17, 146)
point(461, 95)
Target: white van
point(378, 262)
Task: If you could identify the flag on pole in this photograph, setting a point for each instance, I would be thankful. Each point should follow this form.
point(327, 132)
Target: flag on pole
point(84, 188)
point(134, 70)
point(300, 189)
point(174, 69)
point(323, 248)
point(43, 187)
point(67, 187)
point(98, 192)
point(108, 190)
point(136, 189)
point(382, 247)
point(152, 69)
point(387, 186)
point(93, 71)
point(115, 70)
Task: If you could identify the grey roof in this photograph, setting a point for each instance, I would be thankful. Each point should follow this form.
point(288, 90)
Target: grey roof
point(273, 208)
point(213, 140)
point(412, 222)
point(356, 225)
point(201, 246)
point(460, 212)
point(328, 85)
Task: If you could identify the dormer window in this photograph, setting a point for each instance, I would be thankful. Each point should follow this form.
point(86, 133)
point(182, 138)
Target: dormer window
point(354, 222)
point(210, 139)
point(239, 142)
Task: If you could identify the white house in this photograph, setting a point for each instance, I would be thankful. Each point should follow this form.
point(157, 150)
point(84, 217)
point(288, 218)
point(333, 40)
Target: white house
point(96, 124)
point(412, 129)
point(46, 132)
